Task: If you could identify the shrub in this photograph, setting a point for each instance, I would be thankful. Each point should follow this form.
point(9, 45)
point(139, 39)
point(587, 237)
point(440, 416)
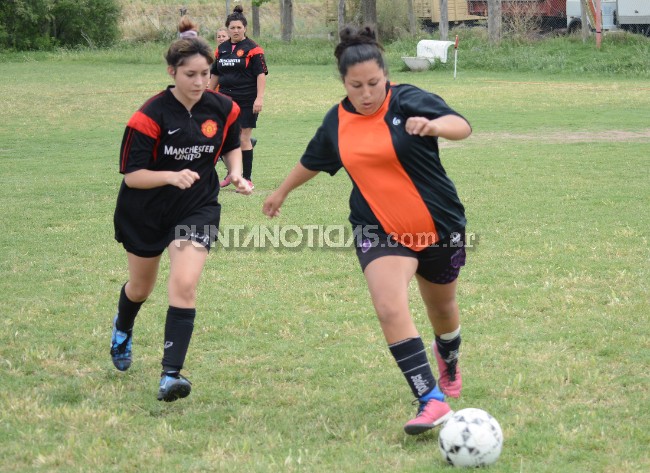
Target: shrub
point(44, 24)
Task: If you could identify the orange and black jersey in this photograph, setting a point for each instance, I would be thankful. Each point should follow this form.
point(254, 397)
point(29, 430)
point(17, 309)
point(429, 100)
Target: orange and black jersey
point(238, 66)
point(163, 136)
point(399, 183)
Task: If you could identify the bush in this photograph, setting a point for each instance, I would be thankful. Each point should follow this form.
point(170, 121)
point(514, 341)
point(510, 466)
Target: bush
point(44, 24)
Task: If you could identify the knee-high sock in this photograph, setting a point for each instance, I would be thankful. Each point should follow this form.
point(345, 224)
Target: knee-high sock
point(411, 357)
point(178, 332)
point(247, 164)
point(127, 310)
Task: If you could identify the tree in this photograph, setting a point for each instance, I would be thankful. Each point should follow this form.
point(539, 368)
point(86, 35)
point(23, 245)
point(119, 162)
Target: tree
point(494, 21)
point(286, 19)
point(369, 12)
point(584, 21)
point(341, 14)
point(444, 20)
point(411, 13)
point(256, 19)
point(256, 4)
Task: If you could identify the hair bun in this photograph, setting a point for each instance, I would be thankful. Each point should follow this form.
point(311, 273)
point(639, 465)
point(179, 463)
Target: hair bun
point(238, 9)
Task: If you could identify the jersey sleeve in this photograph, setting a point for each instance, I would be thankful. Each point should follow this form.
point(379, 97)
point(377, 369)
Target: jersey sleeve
point(258, 61)
point(416, 102)
point(322, 151)
point(139, 143)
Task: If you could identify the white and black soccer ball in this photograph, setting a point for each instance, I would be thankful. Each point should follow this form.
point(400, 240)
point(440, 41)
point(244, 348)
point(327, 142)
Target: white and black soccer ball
point(471, 437)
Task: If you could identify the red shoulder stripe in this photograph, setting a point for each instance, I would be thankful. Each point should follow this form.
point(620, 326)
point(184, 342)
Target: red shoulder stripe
point(145, 125)
point(126, 149)
point(255, 50)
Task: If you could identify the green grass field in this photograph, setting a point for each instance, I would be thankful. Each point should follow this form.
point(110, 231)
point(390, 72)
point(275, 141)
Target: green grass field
point(290, 370)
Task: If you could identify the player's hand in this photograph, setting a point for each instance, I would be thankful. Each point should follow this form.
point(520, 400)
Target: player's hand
point(257, 105)
point(242, 185)
point(183, 179)
point(272, 204)
point(421, 126)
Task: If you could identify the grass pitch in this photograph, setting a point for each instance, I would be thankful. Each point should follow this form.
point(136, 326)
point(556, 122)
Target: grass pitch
point(289, 367)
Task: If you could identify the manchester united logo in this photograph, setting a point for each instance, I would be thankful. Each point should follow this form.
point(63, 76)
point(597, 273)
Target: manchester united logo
point(209, 128)
point(240, 53)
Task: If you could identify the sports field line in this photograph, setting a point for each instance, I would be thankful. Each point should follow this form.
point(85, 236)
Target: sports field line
point(572, 85)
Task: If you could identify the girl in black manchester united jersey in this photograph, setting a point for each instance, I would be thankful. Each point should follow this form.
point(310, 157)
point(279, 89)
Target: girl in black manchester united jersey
point(168, 200)
point(240, 72)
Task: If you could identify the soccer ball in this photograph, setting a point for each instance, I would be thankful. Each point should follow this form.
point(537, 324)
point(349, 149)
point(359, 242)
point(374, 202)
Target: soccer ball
point(471, 437)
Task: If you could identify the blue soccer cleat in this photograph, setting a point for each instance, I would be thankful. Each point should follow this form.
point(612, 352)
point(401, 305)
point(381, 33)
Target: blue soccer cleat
point(173, 386)
point(121, 347)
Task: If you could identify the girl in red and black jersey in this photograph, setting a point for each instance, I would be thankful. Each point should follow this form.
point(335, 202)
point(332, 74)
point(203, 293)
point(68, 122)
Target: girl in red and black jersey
point(240, 72)
point(169, 200)
point(407, 216)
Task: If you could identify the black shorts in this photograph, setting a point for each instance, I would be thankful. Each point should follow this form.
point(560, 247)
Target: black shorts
point(439, 263)
point(247, 119)
point(148, 239)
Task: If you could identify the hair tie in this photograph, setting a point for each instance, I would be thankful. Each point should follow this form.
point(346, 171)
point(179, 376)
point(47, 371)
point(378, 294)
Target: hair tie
point(188, 34)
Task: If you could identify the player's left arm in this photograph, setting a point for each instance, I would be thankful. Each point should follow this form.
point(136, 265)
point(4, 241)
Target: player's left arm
point(261, 88)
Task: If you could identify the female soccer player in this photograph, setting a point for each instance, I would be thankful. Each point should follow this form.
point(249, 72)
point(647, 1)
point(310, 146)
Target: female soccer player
point(240, 70)
point(405, 210)
point(168, 199)
point(221, 36)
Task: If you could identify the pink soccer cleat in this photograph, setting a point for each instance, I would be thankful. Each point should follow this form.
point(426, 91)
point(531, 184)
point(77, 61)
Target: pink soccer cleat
point(450, 380)
point(225, 182)
point(430, 414)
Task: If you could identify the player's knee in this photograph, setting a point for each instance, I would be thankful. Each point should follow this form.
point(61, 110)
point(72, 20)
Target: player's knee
point(444, 309)
point(388, 312)
point(183, 291)
point(139, 291)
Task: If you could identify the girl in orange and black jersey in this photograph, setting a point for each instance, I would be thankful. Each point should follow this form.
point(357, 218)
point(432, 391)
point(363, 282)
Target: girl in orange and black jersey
point(405, 210)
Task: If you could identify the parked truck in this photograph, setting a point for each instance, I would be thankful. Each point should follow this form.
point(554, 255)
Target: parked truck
point(633, 15)
point(630, 15)
point(574, 17)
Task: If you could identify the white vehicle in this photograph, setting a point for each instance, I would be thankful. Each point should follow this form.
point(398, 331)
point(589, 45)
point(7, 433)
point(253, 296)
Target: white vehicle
point(574, 22)
point(631, 15)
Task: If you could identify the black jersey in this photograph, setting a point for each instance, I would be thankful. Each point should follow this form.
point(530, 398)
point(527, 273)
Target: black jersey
point(163, 136)
point(238, 66)
point(399, 183)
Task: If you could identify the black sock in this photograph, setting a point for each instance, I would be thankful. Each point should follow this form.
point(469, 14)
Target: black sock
point(126, 312)
point(448, 349)
point(247, 163)
point(178, 332)
point(411, 357)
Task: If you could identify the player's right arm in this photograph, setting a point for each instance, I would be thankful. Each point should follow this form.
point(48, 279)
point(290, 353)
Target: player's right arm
point(147, 179)
point(141, 137)
point(297, 177)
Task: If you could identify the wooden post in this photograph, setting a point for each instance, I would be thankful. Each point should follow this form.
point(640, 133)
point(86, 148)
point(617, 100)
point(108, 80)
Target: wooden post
point(443, 26)
point(494, 21)
point(599, 24)
point(584, 21)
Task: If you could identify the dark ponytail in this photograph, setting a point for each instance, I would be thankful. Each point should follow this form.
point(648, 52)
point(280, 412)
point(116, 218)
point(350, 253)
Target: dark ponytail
point(358, 45)
point(237, 15)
